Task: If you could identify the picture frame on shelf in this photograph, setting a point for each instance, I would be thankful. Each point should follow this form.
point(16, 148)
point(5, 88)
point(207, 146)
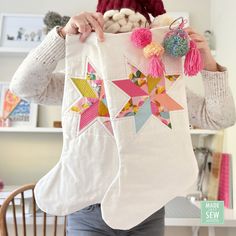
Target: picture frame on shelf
point(14, 111)
point(21, 32)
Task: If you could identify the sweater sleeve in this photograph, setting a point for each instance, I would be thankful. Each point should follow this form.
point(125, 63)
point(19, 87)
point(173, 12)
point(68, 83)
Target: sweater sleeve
point(216, 109)
point(35, 79)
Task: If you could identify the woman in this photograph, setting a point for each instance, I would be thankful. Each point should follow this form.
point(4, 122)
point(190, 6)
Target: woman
point(36, 81)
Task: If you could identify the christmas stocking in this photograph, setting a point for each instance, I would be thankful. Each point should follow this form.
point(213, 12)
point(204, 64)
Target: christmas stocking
point(89, 159)
point(150, 123)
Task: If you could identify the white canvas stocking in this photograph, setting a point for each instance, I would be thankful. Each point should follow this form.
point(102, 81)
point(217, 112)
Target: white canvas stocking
point(89, 159)
point(151, 128)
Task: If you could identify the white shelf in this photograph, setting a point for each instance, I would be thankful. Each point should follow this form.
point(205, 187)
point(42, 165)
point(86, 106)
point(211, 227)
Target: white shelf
point(203, 132)
point(30, 130)
point(14, 51)
point(59, 130)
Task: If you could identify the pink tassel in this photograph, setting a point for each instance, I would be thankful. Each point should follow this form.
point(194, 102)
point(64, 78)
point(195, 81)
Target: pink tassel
point(156, 67)
point(193, 60)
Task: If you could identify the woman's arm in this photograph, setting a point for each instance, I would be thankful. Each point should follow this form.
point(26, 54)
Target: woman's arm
point(35, 80)
point(215, 110)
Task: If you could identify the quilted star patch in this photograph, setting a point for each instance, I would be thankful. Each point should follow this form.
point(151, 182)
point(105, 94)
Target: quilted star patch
point(147, 97)
point(93, 103)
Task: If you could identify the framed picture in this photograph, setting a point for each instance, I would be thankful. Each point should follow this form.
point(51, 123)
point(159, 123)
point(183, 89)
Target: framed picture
point(19, 112)
point(21, 31)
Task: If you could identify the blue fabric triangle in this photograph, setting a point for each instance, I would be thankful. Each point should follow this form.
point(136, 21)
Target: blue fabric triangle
point(143, 114)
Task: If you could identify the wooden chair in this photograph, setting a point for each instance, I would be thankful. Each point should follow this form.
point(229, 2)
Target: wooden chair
point(11, 199)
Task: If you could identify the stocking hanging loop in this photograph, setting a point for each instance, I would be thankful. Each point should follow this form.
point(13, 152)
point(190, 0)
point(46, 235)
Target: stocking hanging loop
point(181, 25)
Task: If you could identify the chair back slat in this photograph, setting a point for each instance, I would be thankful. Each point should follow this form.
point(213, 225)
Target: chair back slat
point(34, 215)
point(65, 219)
point(55, 226)
point(14, 216)
point(44, 224)
point(23, 212)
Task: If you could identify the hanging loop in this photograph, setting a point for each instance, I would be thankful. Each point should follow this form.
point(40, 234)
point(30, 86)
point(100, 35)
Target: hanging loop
point(181, 25)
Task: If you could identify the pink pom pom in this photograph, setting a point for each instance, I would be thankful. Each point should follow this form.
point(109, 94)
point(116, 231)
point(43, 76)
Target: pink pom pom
point(193, 60)
point(141, 37)
point(156, 67)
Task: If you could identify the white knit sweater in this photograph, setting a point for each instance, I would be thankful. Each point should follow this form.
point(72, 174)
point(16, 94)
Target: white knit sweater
point(36, 81)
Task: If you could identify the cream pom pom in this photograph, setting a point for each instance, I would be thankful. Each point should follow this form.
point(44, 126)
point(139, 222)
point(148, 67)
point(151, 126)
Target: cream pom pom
point(162, 20)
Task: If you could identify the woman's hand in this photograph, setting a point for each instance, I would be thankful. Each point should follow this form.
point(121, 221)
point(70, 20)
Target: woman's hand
point(84, 24)
point(209, 63)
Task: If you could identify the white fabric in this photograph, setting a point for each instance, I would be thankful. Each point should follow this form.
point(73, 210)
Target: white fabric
point(89, 160)
point(150, 167)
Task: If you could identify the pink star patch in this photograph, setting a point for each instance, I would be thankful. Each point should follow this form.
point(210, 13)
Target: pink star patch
point(147, 97)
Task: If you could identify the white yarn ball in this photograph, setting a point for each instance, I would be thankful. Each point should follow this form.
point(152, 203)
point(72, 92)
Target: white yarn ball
point(142, 17)
point(134, 18)
point(126, 28)
point(109, 14)
point(122, 22)
point(114, 28)
point(118, 16)
point(108, 23)
point(136, 24)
